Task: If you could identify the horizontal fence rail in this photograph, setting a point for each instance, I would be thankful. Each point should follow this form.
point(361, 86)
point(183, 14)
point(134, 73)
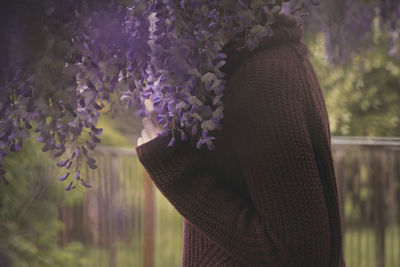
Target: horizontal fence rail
point(125, 221)
point(389, 142)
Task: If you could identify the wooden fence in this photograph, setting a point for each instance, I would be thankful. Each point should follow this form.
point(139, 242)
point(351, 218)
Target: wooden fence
point(125, 221)
point(368, 177)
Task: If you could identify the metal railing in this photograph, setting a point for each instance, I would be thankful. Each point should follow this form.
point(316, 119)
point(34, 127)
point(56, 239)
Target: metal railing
point(132, 224)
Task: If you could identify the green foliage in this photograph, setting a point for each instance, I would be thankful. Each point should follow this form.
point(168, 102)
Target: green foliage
point(29, 218)
point(363, 96)
point(112, 133)
point(29, 222)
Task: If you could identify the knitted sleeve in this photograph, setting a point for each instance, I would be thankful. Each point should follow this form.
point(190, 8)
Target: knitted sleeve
point(285, 223)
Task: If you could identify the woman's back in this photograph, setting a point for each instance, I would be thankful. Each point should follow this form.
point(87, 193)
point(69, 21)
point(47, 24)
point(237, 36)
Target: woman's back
point(266, 196)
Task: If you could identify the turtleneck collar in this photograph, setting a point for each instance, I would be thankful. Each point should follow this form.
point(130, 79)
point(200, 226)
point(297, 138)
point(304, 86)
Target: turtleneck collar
point(285, 30)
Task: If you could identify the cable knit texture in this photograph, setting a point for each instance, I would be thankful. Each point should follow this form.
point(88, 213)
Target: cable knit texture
point(267, 194)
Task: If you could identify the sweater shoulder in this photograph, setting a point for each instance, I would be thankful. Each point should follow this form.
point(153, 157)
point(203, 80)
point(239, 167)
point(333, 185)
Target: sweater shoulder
point(278, 71)
point(281, 55)
point(268, 81)
point(285, 61)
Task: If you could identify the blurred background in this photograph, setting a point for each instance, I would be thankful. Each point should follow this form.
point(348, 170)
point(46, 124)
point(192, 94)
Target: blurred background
point(124, 221)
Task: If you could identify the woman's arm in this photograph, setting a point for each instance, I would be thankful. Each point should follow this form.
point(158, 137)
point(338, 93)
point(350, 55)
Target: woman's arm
point(286, 221)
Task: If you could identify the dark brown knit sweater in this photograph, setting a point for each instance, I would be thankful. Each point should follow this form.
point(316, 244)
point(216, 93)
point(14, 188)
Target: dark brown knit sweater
point(266, 196)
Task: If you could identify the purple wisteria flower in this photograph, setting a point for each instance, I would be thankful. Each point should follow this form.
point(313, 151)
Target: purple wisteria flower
point(87, 54)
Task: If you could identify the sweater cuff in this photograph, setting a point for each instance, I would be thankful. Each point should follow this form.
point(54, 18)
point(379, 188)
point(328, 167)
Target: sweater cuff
point(165, 163)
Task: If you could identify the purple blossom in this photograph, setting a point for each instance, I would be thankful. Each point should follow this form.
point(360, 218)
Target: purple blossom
point(70, 186)
point(5, 181)
point(62, 163)
point(68, 165)
point(164, 50)
point(84, 183)
point(91, 144)
point(65, 176)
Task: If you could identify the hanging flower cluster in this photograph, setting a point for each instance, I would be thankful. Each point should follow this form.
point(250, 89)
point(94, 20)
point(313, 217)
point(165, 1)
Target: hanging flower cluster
point(61, 65)
point(64, 60)
point(183, 76)
point(93, 53)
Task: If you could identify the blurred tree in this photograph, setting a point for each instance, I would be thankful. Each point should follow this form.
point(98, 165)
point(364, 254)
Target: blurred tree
point(29, 206)
point(362, 96)
point(29, 222)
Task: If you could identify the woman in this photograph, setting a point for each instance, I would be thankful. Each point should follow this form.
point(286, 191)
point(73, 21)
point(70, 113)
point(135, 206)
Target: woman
point(266, 196)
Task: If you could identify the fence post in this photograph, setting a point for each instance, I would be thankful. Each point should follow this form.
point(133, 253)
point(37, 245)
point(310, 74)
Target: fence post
point(111, 184)
point(149, 211)
point(342, 188)
point(379, 177)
